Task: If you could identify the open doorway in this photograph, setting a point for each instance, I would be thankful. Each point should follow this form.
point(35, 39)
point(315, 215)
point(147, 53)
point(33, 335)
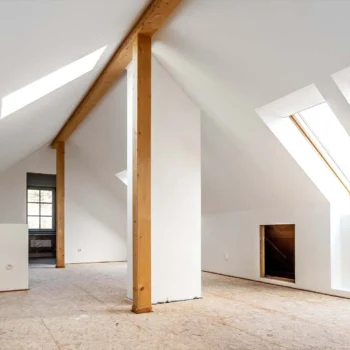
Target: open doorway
point(277, 252)
point(41, 219)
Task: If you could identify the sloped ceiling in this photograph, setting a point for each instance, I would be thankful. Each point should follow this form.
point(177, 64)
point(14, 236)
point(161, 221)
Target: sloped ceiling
point(39, 37)
point(101, 138)
point(232, 57)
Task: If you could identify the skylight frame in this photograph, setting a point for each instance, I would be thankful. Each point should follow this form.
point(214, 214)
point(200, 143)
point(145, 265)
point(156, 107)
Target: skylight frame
point(298, 120)
point(43, 86)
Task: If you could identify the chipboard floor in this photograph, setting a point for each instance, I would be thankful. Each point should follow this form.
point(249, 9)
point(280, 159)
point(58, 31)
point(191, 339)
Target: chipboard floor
point(84, 307)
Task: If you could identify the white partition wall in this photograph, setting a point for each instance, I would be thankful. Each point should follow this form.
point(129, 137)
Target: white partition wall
point(13, 257)
point(175, 190)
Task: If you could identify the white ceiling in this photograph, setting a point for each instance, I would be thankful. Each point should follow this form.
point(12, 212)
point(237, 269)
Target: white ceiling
point(102, 141)
point(263, 48)
point(232, 57)
point(39, 37)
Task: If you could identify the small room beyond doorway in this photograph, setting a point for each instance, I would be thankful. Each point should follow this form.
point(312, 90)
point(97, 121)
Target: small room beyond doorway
point(41, 219)
point(277, 252)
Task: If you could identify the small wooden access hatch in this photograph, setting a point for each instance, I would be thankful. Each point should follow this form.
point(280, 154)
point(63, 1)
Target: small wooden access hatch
point(277, 252)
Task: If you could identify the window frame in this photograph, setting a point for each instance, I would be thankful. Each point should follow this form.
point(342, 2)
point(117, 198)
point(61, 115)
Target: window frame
point(302, 126)
point(40, 230)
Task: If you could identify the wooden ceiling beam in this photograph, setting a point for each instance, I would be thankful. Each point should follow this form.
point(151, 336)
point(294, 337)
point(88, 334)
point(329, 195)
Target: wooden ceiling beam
point(148, 24)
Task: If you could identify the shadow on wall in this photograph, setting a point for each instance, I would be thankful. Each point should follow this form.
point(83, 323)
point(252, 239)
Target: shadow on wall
point(95, 217)
point(344, 253)
point(239, 170)
point(264, 168)
point(101, 139)
point(340, 243)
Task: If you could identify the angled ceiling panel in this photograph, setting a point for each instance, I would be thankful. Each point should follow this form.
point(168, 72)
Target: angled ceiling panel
point(41, 38)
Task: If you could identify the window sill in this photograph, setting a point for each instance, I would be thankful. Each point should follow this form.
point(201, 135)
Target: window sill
point(42, 232)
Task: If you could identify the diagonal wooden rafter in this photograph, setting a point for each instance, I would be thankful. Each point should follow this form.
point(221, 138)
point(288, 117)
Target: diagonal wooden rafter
point(148, 24)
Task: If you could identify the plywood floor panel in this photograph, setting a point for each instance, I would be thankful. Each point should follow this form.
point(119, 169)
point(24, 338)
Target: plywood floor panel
point(84, 307)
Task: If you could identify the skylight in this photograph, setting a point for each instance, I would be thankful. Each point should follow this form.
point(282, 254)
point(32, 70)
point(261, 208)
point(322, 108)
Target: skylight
point(39, 88)
point(328, 137)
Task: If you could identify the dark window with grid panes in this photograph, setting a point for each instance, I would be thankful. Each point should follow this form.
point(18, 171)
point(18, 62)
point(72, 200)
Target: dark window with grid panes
point(40, 209)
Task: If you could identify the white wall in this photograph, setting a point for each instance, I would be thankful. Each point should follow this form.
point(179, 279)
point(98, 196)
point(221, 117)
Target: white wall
point(275, 116)
point(95, 217)
point(238, 235)
point(13, 184)
point(129, 204)
point(321, 245)
point(176, 192)
point(339, 246)
point(101, 138)
point(13, 257)
point(248, 176)
point(97, 151)
point(321, 219)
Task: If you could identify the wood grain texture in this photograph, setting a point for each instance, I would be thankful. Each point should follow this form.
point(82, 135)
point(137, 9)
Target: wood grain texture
point(234, 314)
point(142, 56)
point(148, 24)
point(60, 198)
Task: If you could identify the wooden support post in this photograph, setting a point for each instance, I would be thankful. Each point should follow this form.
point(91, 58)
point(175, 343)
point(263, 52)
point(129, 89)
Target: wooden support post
point(142, 174)
point(60, 176)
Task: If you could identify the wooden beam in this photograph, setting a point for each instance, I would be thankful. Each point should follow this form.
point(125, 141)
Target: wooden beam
point(148, 24)
point(142, 174)
point(60, 177)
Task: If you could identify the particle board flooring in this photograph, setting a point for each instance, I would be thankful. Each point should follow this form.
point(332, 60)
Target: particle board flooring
point(84, 307)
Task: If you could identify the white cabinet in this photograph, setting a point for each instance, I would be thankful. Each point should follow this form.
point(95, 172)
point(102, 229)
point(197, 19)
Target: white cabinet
point(13, 257)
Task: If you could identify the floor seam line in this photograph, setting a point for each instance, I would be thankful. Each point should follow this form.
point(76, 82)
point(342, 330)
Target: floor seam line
point(56, 342)
point(295, 318)
point(89, 294)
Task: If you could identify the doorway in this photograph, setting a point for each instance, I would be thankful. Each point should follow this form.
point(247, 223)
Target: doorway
point(41, 219)
point(277, 252)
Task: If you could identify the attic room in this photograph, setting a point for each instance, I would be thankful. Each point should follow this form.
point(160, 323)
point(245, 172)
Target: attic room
point(173, 174)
